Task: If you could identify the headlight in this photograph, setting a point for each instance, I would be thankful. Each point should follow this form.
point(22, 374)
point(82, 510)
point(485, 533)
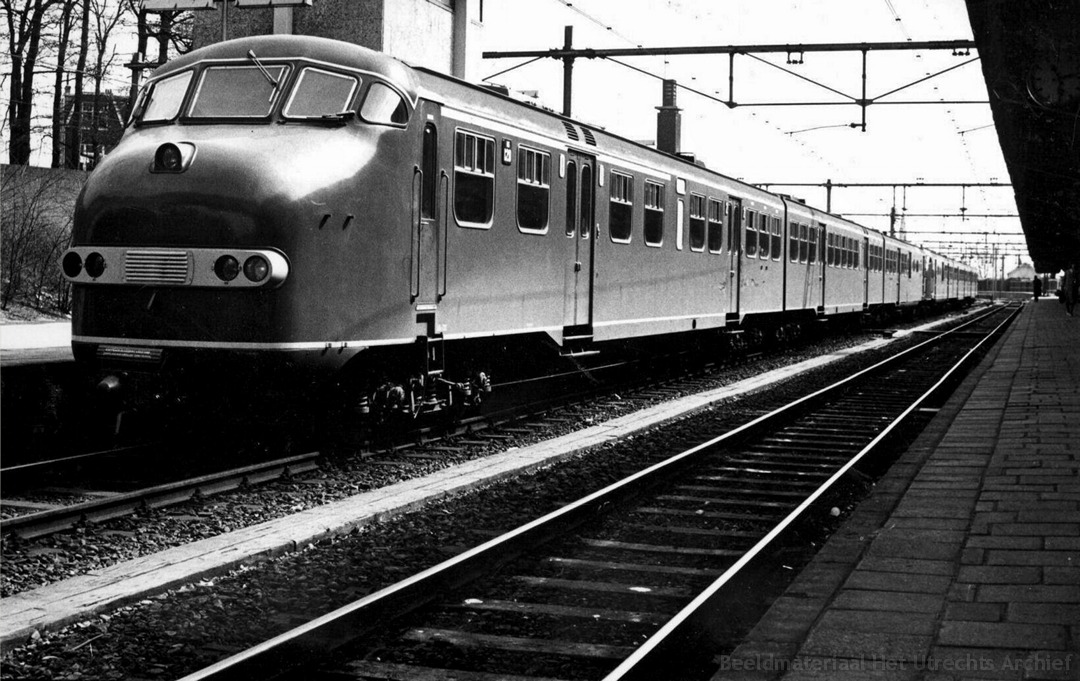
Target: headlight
point(95, 264)
point(72, 264)
point(226, 268)
point(256, 268)
point(173, 158)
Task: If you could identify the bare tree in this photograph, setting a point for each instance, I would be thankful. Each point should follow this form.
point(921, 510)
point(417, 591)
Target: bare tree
point(67, 21)
point(34, 229)
point(166, 29)
point(106, 19)
point(25, 21)
point(75, 142)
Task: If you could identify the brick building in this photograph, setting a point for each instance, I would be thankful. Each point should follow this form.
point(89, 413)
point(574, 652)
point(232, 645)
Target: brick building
point(439, 34)
point(99, 128)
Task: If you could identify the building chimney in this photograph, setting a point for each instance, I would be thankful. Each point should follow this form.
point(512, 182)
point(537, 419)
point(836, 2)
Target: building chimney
point(669, 121)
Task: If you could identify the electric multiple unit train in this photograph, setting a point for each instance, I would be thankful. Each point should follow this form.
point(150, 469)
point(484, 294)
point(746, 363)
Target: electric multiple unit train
point(287, 208)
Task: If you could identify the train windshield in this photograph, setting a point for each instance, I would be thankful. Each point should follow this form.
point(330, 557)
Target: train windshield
point(237, 92)
point(164, 100)
point(320, 93)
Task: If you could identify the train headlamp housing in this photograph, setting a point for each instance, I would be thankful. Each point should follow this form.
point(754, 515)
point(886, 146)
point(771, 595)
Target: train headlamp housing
point(72, 264)
point(227, 268)
point(173, 157)
point(256, 268)
point(265, 268)
point(95, 264)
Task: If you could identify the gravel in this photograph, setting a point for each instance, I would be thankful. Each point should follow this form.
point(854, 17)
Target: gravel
point(185, 629)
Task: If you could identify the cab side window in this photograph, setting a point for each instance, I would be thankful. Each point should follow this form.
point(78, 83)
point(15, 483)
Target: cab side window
point(474, 179)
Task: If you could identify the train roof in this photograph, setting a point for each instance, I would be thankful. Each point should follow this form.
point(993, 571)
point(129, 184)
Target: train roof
point(456, 92)
point(310, 48)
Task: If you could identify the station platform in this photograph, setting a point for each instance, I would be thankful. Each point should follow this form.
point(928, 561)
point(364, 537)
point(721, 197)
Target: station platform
point(964, 563)
point(35, 343)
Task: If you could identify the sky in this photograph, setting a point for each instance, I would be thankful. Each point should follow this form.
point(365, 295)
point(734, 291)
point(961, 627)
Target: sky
point(939, 143)
point(791, 144)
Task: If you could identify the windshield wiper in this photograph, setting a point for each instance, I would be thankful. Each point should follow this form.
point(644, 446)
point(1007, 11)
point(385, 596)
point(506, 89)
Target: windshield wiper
point(342, 116)
point(269, 78)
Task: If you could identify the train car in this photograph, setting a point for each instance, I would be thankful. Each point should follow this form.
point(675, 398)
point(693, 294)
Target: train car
point(295, 211)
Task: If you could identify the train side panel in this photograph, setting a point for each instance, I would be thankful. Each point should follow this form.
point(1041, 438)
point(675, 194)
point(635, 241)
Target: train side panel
point(845, 285)
point(803, 283)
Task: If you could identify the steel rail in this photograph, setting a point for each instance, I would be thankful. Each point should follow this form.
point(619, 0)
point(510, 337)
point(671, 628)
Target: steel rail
point(695, 621)
point(54, 520)
point(32, 468)
point(334, 629)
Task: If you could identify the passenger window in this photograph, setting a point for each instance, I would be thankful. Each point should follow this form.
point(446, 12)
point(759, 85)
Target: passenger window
point(804, 243)
point(751, 234)
point(165, 98)
point(734, 228)
point(764, 247)
point(534, 184)
point(716, 226)
point(384, 105)
point(571, 198)
point(736, 225)
point(430, 168)
point(474, 179)
point(777, 239)
point(793, 242)
point(654, 213)
point(697, 222)
point(620, 213)
point(811, 256)
point(586, 223)
point(320, 93)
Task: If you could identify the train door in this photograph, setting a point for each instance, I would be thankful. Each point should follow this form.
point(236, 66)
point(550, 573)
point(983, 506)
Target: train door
point(822, 263)
point(431, 207)
point(899, 275)
point(928, 280)
point(865, 263)
point(734, 251)
point(580, 226)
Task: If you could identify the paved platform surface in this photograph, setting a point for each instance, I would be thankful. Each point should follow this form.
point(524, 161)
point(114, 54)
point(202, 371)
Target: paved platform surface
point(964, 563)
point(35, 343)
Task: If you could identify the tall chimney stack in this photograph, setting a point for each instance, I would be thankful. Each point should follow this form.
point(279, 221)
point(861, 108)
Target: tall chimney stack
point(669, 121)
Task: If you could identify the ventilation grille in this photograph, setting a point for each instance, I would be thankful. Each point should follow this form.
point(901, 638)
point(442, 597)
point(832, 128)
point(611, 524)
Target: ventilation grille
point(571, 131)
point(157, 267)
point(589, 139)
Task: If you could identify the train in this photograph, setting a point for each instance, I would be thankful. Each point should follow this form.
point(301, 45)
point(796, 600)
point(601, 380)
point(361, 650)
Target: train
point(292, 210)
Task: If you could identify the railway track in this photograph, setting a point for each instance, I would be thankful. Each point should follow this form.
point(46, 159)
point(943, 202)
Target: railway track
point(630, 582)
point(78, 489)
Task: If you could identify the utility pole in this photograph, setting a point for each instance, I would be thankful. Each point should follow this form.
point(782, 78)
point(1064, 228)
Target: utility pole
point(568, 70)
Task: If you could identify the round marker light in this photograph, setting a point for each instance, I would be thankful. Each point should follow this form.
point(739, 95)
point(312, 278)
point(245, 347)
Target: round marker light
point(227, 268)
point(72, 264)
point(95, 264)
point(169, 158)
point(256, 268)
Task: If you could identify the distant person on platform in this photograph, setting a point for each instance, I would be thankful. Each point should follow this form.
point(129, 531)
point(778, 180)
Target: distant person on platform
point(1071, 286)
point(1036, 287)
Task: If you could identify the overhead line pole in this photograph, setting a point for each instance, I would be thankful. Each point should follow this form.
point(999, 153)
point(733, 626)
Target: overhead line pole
point(789, 48)
point(568, 54)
